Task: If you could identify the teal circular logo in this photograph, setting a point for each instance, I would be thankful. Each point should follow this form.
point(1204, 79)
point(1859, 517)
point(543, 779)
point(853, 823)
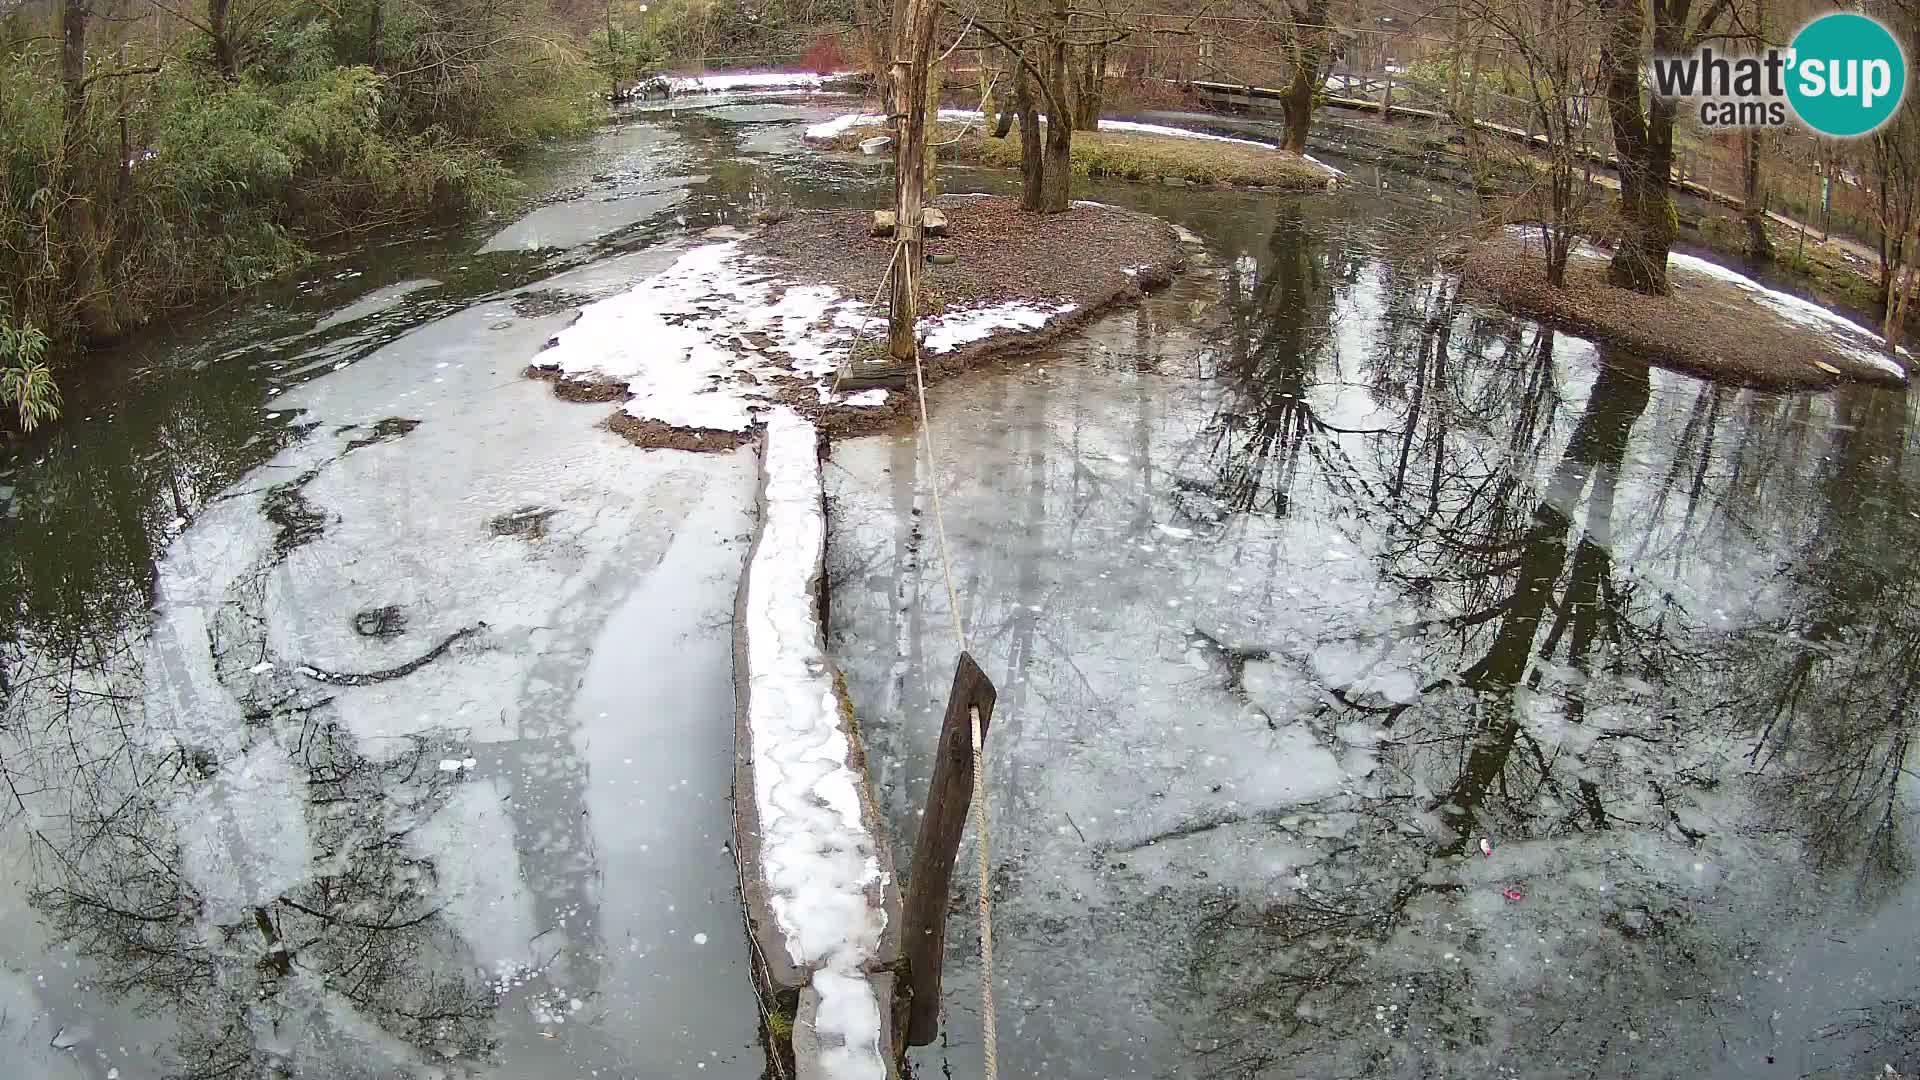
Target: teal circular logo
point(1848, 74)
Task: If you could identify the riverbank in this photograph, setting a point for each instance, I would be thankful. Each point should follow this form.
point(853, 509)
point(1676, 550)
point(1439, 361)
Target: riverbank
point(749, 321)
point(1716, 323)
point(1142, 153)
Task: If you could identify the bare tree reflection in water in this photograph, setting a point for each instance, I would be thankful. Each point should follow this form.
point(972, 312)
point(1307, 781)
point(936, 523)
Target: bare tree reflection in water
point(1835, 676)
point(1279, 329)
point(351, 966)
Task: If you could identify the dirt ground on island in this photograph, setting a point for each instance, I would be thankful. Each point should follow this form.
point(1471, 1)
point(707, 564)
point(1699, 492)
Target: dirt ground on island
point(1706, 327)
point(1093, 257)
point(1138, 156)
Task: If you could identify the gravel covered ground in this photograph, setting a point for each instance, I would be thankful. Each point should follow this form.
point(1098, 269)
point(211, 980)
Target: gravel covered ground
point(1003, 253)
point(1093, 257)
point(1708, 326)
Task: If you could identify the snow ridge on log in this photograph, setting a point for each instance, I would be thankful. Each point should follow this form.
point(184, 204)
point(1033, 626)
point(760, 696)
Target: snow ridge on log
point(815, 872)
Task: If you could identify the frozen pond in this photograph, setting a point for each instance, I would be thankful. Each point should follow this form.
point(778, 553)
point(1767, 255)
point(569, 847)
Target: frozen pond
point(1391, 688)
point(367, 711)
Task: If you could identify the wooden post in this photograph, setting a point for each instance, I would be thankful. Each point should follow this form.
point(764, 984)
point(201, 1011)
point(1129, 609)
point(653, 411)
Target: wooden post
point(949, 797)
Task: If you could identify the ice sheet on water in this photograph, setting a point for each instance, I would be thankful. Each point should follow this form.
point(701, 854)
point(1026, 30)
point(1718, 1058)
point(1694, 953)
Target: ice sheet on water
point(470, 843)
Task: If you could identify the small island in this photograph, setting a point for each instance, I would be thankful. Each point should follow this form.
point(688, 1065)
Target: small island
point(701, 351)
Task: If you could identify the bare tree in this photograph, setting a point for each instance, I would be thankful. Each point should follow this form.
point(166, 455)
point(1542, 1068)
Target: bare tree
point(1554, 43)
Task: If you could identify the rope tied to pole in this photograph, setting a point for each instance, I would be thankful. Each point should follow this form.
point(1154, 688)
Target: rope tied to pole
point(989, 1033)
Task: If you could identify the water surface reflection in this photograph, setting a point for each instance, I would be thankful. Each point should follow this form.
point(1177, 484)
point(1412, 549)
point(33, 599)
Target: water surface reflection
point(1296, 604)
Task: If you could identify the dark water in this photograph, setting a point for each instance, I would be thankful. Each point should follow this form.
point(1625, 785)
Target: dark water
point(338, 739)
point(1293, 604)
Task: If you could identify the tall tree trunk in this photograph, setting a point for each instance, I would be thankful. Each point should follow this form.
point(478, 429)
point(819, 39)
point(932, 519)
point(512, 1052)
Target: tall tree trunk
point(123, 164)
point(1033, 162)
point(377, 14)
point(1009, 106)
point(1058, 185)
point(914, 29)
point(82, 241)
point(936, 79)
point(1753, 208)
point(1309, 47)
point(1090, 92)
point(1011, 79)
point(1899, 302)
point(1643, 143)
point(224, 59)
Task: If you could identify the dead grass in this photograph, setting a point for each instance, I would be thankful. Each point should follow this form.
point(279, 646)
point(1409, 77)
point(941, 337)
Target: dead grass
point(1706, 327)
point(1130, 155)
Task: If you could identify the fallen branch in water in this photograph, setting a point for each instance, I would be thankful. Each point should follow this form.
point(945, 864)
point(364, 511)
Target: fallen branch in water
point(337, 678)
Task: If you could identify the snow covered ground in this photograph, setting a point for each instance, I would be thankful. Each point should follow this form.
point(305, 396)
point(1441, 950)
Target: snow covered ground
point(1848, 336)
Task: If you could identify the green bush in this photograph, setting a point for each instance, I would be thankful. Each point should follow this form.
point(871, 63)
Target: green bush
point(177, 184)
point(25, 383)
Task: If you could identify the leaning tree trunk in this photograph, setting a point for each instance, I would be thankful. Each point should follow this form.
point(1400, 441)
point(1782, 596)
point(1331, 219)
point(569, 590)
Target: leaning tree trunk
point(1643, 143)
point(1296, 107)
point(1753, 208)
point(1033, 163)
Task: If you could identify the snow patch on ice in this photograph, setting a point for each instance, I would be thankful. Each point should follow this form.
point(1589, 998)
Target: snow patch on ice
point(817, 856)
point(963, 327)
point(678, 339)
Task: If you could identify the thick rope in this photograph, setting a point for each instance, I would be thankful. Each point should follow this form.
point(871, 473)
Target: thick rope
point(989, 1032)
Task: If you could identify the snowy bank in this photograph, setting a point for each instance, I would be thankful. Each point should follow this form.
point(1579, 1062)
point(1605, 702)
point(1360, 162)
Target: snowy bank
point(817, 881)
point(723, 333)
point(828, 130)
point(1716, 322)
point(726, 82)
